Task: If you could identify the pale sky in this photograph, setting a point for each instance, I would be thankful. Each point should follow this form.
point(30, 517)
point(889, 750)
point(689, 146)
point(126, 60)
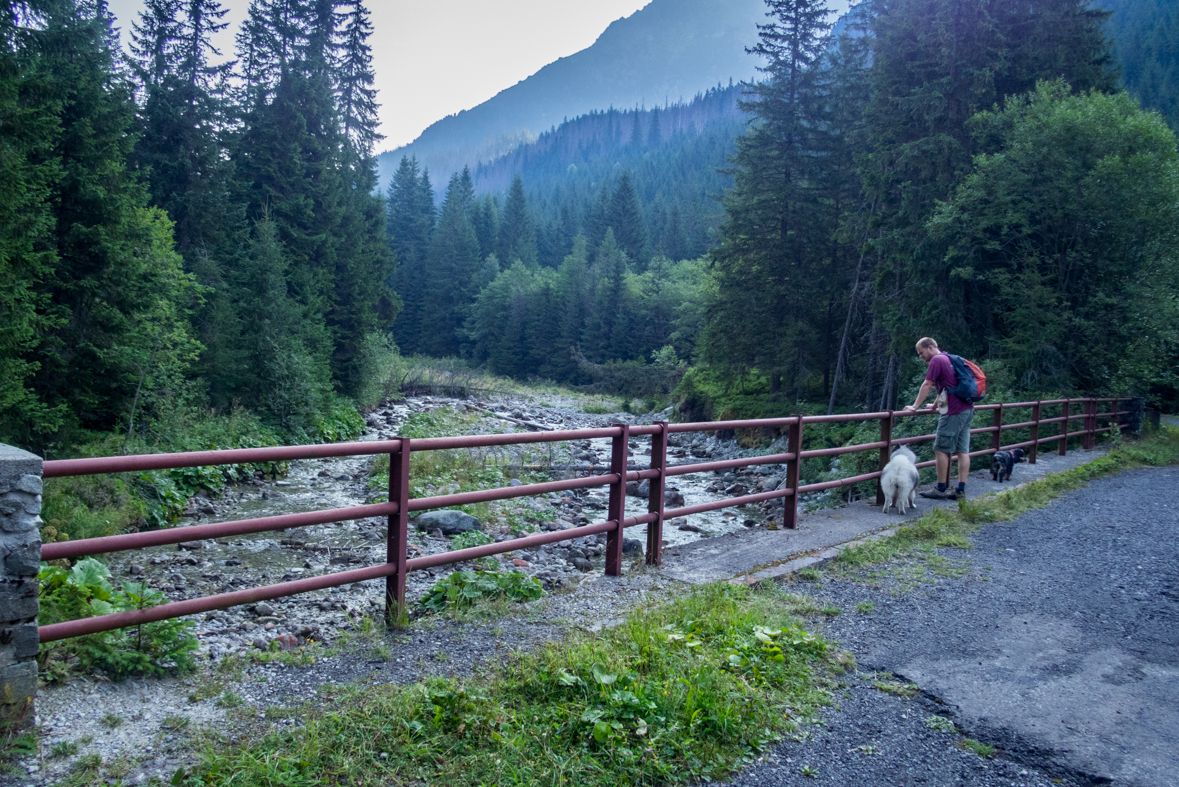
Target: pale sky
point(433, 58)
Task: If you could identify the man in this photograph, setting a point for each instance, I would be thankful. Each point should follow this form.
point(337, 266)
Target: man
point(953, 423)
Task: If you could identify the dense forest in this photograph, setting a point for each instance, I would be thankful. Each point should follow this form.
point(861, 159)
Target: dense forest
point(182, 231)
point(971, 172)
point(1146, 42)
point(186, 234)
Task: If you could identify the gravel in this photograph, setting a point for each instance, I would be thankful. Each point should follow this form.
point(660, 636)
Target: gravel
point(580, 597)
point(1058, 643)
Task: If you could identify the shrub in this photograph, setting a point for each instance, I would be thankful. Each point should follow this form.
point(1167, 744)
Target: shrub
point(463, 588)
point(163, 647)
point(472, 538)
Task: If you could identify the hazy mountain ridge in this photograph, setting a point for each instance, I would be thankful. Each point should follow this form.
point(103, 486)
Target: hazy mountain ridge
point(668, 51)
point(585, 139)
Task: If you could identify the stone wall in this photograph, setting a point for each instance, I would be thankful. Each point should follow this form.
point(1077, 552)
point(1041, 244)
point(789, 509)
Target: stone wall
point(20, 551)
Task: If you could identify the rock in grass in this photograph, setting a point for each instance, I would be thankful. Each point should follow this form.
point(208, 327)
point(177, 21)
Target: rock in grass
point(581, 564)
point(451, 523)
point(632, 546)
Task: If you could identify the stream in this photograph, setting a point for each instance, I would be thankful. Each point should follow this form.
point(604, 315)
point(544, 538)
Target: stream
point(208, 567)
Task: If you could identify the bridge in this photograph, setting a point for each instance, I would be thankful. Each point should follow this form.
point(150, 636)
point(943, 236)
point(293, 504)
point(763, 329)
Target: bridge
point(1029, 424)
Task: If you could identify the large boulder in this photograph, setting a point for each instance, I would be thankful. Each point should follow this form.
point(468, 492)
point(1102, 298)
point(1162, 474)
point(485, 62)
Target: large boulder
point(451, 523)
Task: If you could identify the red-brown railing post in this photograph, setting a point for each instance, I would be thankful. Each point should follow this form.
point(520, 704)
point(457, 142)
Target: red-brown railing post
point(619, 448)
point(793, 446)
point(397, 538)
point(656, 496)
point(997, 422)
point(1088, 421)
point(1035, 433)
point(885, 452)
point(1062, 448)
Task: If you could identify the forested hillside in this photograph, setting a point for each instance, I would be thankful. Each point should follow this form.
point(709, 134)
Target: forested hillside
point(966, 171)
point(178, 234)
point(185, 238)
point(666, 52)
point(1146, 43)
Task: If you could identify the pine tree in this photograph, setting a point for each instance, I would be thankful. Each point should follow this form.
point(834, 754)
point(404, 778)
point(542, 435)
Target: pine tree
point(775, 234)
point(284, 347)
point(936, 63)
point(411, 224)
point(356, 97)
point(452, 264)
point(654, 133)
point(117, 297)
point(182, 116)
point(626, 219)
point(485, 217)
point(606, 334)
point(28, 170)
point(517, 233)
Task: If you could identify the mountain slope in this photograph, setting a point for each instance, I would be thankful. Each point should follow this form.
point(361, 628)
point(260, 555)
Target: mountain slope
point(668, 51)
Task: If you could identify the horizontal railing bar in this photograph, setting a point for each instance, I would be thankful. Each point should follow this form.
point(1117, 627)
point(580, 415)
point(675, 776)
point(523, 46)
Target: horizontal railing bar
point(1021, 425)
point(486, 550)
point(180, 535)
point(855, 479)
point(512, 438)
point(508, 492)
point(847, 449)
point(840, 417)
point(195, 606)
point(703, 467)
point(61, 468)
point(712, 426)
point(731, 502)
point(924, 438)
point(983, 429)
point(642, 519)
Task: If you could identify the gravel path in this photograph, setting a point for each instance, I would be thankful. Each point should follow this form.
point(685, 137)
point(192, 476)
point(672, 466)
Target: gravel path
point(1057, 642)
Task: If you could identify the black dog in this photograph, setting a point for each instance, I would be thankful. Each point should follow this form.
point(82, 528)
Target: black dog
point(1003, 461)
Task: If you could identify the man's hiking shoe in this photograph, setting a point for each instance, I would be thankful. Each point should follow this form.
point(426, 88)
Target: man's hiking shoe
point(933, 494)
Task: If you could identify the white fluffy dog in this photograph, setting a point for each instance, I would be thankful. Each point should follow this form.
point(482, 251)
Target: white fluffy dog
point(899, 481)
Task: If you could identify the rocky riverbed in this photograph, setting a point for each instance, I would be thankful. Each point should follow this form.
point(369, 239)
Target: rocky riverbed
point(139, 728)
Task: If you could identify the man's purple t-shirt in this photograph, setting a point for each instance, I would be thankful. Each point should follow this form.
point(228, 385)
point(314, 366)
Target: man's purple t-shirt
point(941, 374)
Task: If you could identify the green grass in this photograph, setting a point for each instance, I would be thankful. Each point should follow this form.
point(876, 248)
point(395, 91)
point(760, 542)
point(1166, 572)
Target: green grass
point(687, 691)
point(896, 688)
point(946, 527)
point(976, 747)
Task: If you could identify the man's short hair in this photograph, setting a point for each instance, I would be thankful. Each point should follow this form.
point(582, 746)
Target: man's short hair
point(927, 343)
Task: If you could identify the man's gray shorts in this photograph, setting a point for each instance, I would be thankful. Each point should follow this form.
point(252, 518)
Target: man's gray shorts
point(953, 432)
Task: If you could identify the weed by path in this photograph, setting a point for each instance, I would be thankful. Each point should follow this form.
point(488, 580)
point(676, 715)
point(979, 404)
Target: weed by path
point(689, 690)
point(947, 527)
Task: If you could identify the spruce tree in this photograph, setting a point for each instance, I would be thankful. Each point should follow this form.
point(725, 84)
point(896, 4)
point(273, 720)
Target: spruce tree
point(626, 219)
point(775, 234)
point(356, 97)
point(936, 63)
point(410, 225)
point(654, 133)
point(517, 234)
point(116, 291)
point(451, 266)
point(28, 170)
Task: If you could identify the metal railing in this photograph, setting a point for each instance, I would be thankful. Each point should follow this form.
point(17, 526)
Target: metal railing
point(399, 504)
